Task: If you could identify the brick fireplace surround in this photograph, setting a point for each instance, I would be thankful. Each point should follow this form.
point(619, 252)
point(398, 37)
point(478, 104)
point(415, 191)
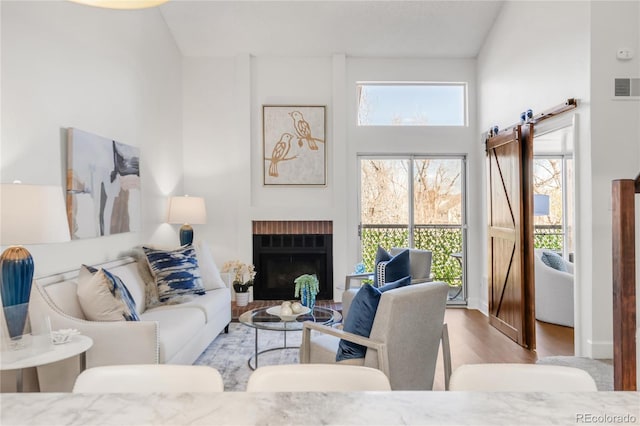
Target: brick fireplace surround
point(292, 227)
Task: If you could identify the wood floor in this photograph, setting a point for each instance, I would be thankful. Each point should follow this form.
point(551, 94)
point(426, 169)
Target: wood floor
point(474, 341)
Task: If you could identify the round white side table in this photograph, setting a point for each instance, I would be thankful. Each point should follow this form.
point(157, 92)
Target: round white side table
point(35, 357)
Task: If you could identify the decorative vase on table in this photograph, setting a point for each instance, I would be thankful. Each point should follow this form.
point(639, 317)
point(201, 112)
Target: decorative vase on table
point(307, 298)
point(242, 299)
point(306, 288)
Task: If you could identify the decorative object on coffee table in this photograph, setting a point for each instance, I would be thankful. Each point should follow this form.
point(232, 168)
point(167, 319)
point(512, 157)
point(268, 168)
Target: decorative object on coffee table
point(243, 276)
point(307, 287)
point(29, 214)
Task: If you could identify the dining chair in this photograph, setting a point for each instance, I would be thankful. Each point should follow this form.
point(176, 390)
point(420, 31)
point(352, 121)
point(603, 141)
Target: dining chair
point(317, 378)
point(148, 378)
point(520, 378)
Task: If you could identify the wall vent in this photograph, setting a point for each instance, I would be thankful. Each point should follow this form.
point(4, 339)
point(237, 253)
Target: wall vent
point(627, 87)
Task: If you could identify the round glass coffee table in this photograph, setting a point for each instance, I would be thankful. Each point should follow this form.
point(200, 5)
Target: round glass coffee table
point(260, 319)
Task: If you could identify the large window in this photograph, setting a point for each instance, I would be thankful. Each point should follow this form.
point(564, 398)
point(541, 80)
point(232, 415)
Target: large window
point(415, 201)
point(412, 104)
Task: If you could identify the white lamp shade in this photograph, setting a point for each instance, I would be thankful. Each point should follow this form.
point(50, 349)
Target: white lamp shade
point(122, 4)
point(540, 205)
point(187, 209)
point(32, 214)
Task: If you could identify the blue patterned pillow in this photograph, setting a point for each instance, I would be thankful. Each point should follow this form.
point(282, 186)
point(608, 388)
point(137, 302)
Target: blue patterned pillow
point(176, 272)
point(553, 260)
point(390, 268)
point(362, 312)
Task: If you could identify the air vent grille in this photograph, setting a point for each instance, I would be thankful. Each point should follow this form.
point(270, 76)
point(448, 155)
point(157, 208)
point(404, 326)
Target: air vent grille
point(626, 87)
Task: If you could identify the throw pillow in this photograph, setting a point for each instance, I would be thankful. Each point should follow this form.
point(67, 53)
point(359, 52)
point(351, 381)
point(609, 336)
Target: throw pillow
point(359, 321)
point(390, 268)
point(176, 272)
point(104, 297)
point(211, 279)
point(362, 312)
point(554, 261)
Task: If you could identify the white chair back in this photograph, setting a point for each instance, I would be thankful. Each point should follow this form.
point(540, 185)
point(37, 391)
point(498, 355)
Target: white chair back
point(521, 378)
point(317, 378)
point(148, 378)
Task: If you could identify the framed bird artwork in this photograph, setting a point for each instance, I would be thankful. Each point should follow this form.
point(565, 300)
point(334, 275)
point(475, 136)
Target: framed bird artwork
point(294, 145)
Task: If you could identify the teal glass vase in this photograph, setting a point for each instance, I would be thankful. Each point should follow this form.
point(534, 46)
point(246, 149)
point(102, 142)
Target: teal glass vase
point(307, 298)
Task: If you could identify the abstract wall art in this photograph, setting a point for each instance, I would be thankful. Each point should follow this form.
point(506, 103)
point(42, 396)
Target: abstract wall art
point(294, 145)
point(103, 186)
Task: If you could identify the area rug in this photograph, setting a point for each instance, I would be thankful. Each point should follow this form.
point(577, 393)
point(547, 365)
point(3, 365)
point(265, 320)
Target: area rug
point(229, 353)
point(600, 369)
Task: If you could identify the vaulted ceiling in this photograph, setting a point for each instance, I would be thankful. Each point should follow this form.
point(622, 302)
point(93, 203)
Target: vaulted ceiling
point(443, 29)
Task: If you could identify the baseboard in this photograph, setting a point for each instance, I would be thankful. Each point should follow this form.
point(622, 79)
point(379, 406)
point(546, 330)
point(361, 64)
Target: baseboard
point(601, 349)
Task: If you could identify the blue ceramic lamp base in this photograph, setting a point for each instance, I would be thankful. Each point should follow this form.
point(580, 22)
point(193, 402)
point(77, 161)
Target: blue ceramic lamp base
point(186, 234)
point(16, 275)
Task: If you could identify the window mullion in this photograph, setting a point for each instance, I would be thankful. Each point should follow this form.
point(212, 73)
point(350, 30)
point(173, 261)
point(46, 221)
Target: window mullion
point(411, 200)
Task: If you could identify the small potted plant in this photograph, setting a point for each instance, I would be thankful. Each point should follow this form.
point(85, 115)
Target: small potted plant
point(243, 276)
point(307, 287)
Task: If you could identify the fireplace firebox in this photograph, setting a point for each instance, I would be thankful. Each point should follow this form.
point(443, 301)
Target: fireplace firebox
point(281, 258)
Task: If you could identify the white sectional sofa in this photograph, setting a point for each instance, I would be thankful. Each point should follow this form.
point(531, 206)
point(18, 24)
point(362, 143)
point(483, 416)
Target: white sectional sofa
point(172, 334)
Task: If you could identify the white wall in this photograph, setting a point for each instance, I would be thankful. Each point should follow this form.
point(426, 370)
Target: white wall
point(615, 146)
point(563, 50)
point(223, 145)
point(110, 73)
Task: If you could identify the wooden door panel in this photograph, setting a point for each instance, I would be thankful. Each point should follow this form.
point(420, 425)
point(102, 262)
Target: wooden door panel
point(506, 203)
point(502, 216)
point(505, 313)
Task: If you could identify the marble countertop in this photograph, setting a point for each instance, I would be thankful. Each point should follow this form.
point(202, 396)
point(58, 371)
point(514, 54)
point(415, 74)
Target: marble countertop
point(357, 408)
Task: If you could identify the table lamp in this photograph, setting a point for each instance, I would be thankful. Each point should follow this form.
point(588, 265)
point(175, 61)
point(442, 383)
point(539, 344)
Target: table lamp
point(29, 214)
point(540, 205)
point(187, 211)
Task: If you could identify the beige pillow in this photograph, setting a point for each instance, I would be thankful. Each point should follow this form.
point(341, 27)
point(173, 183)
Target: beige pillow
point(209, 272)
point(104, 297)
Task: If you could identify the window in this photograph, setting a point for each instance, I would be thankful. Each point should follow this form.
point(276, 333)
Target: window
point(416, 201)
point(412, 104)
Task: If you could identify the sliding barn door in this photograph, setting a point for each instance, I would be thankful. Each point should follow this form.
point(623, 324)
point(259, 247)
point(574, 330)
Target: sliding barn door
point(510, 233)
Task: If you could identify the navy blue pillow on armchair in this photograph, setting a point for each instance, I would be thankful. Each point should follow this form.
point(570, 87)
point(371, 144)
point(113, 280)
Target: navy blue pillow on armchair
point(390, 268)
point(361, 315)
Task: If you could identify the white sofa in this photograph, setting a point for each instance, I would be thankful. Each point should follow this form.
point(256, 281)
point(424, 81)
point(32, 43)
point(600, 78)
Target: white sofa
point(167, 334)
point(554, 292)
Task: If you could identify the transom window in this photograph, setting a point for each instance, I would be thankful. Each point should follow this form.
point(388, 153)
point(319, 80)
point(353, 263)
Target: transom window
point(412, 104)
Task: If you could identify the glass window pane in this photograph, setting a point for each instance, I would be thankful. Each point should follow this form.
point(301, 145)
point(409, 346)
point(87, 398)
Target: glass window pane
point(437, 189)
point(384, 200)
point(424, 104)
point(547, 181)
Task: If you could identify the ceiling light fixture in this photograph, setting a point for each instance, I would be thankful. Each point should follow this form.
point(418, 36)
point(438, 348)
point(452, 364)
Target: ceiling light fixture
point(122, 4)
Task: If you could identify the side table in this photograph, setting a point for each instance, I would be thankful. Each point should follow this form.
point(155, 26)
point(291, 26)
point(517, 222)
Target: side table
point(359, 277)
point(12, 360)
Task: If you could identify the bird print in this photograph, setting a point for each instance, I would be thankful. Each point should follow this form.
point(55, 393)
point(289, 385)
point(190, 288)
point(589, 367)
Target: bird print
point(279, 153)
point(303, 130)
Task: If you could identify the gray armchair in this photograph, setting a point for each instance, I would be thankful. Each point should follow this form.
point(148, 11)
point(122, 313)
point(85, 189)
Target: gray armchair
point(404, 341)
